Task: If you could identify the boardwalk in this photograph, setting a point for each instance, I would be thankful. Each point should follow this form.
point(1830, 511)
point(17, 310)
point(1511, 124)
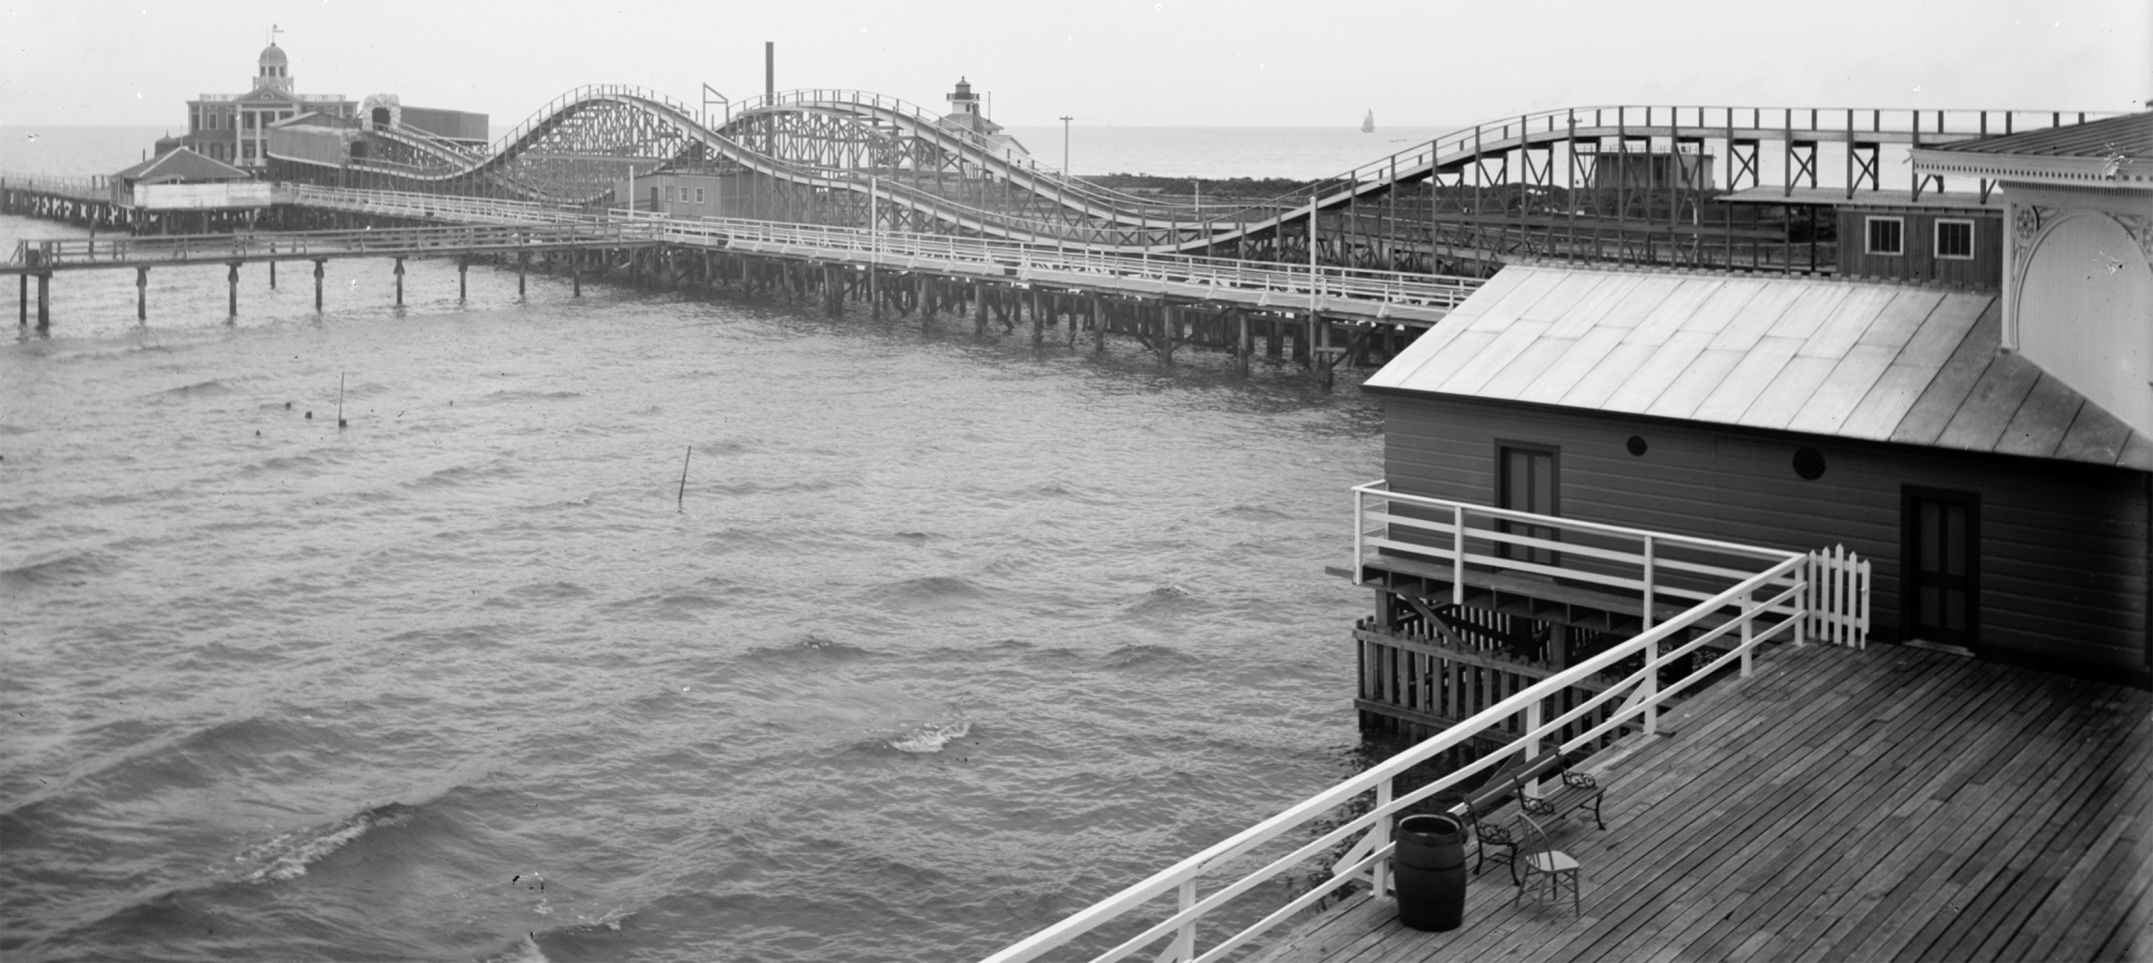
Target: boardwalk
point(1893, 804)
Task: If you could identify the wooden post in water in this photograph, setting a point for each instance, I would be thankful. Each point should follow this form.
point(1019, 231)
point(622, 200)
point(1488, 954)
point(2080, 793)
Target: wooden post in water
point(523, 267)
point(231, 279)
point(44, 301)
point(463, 267)
point(399, 282)
point(1243, 344)
point(1169, 319)
point(575, 274)
point(317, 285)
point(1098, 326)
point(142, 293)
point(22, 300)
point(272, 268)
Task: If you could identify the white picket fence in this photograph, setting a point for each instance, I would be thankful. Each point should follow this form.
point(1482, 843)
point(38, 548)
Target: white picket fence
point(1838, 597)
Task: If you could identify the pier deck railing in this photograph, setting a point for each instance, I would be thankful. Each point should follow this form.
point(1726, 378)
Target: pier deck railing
point(1291, 287)
point(1462, 539)
point(1761, 604)
point(119, 251)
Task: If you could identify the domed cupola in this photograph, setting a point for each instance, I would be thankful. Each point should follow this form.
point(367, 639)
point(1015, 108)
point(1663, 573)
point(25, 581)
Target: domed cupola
point(274, 72)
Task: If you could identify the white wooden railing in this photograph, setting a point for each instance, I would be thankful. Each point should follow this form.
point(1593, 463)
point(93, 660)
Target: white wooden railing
point(1754, 605)
point(1656, 569)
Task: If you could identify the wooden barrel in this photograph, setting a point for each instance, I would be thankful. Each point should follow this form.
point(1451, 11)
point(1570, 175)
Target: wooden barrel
point(1428, 868)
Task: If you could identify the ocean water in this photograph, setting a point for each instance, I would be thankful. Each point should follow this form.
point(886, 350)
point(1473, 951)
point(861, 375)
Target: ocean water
point(941, 640)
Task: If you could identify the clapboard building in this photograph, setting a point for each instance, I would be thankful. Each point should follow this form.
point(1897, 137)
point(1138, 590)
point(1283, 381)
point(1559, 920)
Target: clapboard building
point(1982, 433)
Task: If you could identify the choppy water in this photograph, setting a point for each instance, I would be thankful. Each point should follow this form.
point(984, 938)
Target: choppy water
point(944, 640)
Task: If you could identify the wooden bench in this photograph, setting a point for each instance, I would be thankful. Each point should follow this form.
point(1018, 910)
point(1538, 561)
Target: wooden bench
point(1572, 791)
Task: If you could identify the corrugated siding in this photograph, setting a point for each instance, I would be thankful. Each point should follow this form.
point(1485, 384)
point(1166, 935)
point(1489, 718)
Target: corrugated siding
point(2063, 547)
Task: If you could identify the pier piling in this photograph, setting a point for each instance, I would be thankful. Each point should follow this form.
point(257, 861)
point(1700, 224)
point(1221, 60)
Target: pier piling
point(463, 269)
point(231, 284)
point(399, 282)
point(317, 284)
point(142, 294)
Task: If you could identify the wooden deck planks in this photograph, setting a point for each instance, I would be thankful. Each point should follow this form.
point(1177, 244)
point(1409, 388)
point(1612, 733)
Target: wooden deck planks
point(1887, 804)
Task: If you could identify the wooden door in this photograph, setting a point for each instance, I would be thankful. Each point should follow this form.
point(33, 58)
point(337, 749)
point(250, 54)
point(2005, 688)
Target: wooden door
point(1940, 560)
point(1526, 482)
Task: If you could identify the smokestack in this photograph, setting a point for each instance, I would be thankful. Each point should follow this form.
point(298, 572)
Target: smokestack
point(769, 70)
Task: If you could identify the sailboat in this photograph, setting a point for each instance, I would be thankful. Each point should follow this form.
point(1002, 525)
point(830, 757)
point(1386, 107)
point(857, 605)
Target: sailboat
point(1368, 123)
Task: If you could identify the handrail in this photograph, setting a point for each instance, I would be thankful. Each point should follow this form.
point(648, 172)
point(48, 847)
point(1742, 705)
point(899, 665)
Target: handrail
point(1766, 604)
point(1029, 262)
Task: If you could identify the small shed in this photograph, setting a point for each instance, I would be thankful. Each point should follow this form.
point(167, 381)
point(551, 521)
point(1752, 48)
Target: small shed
point(182, 180)
point(2004, 512)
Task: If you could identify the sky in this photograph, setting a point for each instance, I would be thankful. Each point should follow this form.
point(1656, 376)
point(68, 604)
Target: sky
point(1105, 62)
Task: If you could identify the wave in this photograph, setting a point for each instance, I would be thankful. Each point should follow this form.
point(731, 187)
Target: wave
point(204, 389)
point(8, 429)
point(1143, 654)
point(591, 939)
point(524, 394)
point(928, 738)
point(1166, 600)
point(459, 475)
point(1256, 513)
point(67, 570)
point(810, 648)
point(929, 590)
point(288, 856)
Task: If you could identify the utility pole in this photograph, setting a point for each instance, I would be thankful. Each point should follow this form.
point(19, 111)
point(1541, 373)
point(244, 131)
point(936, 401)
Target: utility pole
point(1065, 143)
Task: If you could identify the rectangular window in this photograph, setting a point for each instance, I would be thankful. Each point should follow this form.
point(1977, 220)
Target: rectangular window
point(1886, 235)
point(698, 195)
point(1954, 239)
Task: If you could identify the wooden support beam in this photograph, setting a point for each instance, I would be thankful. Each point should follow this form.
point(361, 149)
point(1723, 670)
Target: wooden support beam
point(44, 302)
point(318, 262)
point(463, 267)
point(231, 279)
point(142, 293)
point(399, 282)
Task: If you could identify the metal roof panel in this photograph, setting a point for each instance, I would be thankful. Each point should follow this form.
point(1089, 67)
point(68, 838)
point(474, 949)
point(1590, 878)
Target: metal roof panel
point(1584, 354)
point(1696, 382)
point(1880, 411)
point(1848, 384)
point(1783, 399)
point(1667, 364)
point(1593, 390)
point(2042, 421)
point(1759, 365)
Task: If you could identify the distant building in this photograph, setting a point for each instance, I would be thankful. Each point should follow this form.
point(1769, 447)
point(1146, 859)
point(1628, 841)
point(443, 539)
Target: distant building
point(965, 115)
point(234, 128)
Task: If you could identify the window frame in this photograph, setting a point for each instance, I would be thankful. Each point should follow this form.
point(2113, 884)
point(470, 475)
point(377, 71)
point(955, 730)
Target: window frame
point(1870, 222)
point(1968, 223)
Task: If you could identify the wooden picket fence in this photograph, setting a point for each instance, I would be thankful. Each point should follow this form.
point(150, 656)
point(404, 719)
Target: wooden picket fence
point(1838, 597)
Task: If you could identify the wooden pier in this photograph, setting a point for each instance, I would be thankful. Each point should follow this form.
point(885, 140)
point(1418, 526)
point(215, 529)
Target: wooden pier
point(1882, 804)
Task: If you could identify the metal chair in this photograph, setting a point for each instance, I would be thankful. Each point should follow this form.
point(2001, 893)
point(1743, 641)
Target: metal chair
point(1491, 834)
point(1539, 858)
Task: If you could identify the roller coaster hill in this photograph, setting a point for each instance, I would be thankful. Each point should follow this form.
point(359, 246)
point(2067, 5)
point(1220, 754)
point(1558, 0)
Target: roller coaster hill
point(1728, 188)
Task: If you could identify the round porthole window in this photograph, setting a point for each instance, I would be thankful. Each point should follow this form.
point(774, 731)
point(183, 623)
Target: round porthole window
point(1809, 463)
point(1637, 445)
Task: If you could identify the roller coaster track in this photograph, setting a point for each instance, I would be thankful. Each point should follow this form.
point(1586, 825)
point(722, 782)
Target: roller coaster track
point(1555, 182)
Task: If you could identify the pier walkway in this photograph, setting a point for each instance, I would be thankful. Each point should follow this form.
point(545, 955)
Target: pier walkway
point(1885, 804)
